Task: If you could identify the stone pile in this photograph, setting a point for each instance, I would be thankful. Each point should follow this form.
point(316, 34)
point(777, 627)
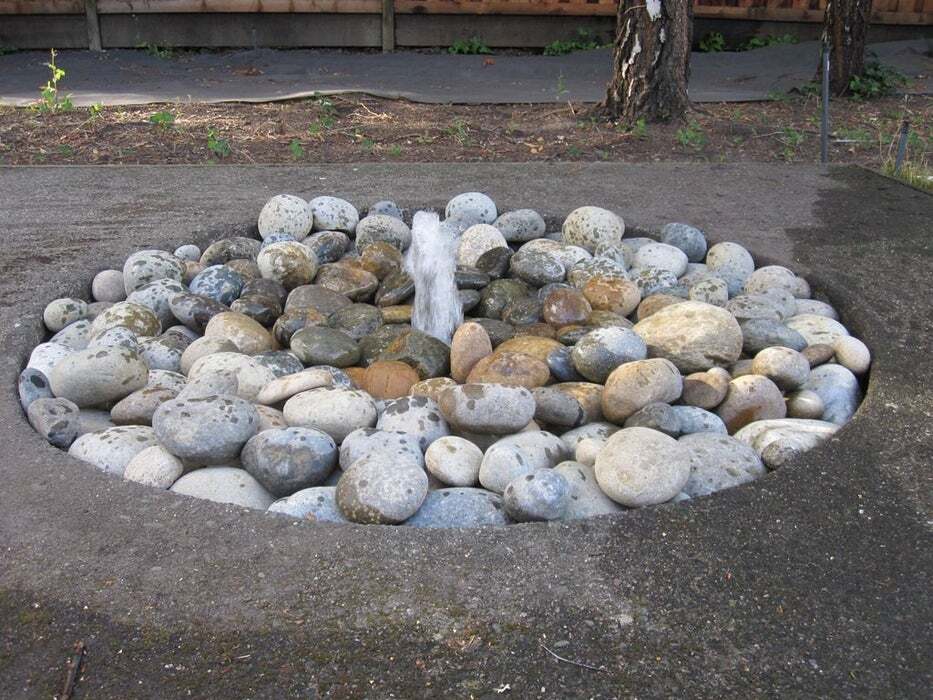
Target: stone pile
point(593, 372)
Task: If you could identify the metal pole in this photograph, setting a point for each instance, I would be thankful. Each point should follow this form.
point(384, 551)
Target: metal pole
point(824, 121)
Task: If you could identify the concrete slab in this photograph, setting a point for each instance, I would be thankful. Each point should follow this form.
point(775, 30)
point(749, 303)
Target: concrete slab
point(122, 76)
point(811, 582)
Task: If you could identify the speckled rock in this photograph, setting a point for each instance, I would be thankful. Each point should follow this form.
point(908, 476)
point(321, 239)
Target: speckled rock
point(475, 241)
point(219, 283)
point(139, 319)
point(382, 227)
point(750, 398)
point(224, 485)
point(471, 208)
point(138, 407)
point(163, 379)
point(718, 462)
point(203, 347)
point(154, 466)
point(460, 507)
point(32, 385)
point(108, 285)
point(518, 455)
point(661, 256)
point(97, 376)
point(76, 335)
point(432, 388)
point(653, 280)
point(56, 420)
point(785, 367)
point(247, 335)
point(364, 442)
point(493, 409)
point(540, 495)
point(287, 460)
point(454, 461)
point(251, 375)
point(334, 214)
point(615, 294)
point(285, 214)
point(599, 430)
point(387, 207)
point(692, 335)
point(280, 362)
point(378, 489)
point(46, 355)
point(147, 266)
point(837, 387)
point(688, 238)
point(520, 225)
point(698, 420)
point(416, 415)
point(208, 430)
point(336, 411)
point(711, 290)
point(59, 313)
point(636, 384)
point(641, 467)
point(290, 264)
point(731, 262)
point(598, 353)
point(590, 227)
point(112, 449)
point(317, 504)
point(816, 308)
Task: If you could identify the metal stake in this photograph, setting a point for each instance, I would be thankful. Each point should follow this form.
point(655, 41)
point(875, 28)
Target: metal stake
point(824, 121)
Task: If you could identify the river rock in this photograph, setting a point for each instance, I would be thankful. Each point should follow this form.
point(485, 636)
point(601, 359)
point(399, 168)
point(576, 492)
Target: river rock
point(520, 225)
point(97, 376)
point(817, 329)
point(207, 430)
point(379, 489)
point(429, 356)
point(218, 283)
point(475, 241)
point(511, 368)
point(732, 263)
point(202, 347)
point(154, 466)
point(540, 495)
point(454, 461)
point(586, 499)
point(711, 290)
point(689, 239)
point(636, 384)
point(599, 430)
point(224, 485)
point(662, 256)
point(805, 404)
point(750, 398)
point(640, 467)
point(692, 335)
point(590, 227)
point(612, 294)
point(56, 420)
point(759, 333)
point(289, 263)
point(416, 415)
point(59, 313)
point(779, 441)
point(287, 460)
point(771, 277)
point(657, 416)
point(280, 362)
point(45, 356)
point(108, 285)
point(815, 307)
point(93, 420)
point(252, 376)
point(141, 320)
point(718, 462)
point(598, 353)
point(147, 266)
point(785, 367)
point(395, 444)
point(33, 385)
point(112, 449)
point(460, 507)
point(706, 389)
point(518, 455)
point(138, 407)
point(336, 411)
point(836, 386)
point(389, 380)
point(334, 214)
point(382, 227)
point(325, 346)
point(470, 344)
point(471, 208)
point(317, 504)
point(698, 420)
point(249, 337)
point(285, 214)
point(852, 354)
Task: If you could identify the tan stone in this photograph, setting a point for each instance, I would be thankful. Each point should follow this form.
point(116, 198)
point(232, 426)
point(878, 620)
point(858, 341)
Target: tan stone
point(536, 346)
point(612, 294)
point(564, 307)
point(510, 368)
point(706, 389)
point(248, 335)
point(432, 388)
point(381, 259)
point(470, 344)
point(389, 379)
point(400, 313)
point(588, 395)
point(651, 305)
point(344, 278)
point(634, 385)
point(751, 398)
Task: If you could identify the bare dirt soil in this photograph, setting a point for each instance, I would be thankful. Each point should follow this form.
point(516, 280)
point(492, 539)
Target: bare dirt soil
point(360, 128)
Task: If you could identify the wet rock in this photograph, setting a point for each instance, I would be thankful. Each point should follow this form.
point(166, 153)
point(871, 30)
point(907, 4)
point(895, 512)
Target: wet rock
point(428, 355)
point(355, 283)
point(325, 346)
point(536, 268)
point(558, 408)
point(612, 294)
point(384, 228)
point(372, 346)
point(380, 258)
point(357, 320)
point(564, 307)
point(226, 249)
point(495, 261)
point(315, 297)
point(470, 344)
point(249, 336)
point(642, 467)
point(290, 264)
point(511, 368)
point(475, 241)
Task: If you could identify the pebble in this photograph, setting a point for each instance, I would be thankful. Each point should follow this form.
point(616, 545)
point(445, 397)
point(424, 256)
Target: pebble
point(224, 485)
point(732, 263)
point(750, 398)
point(157, 297)
point(588, 450)
point(202, 347)
point(692, 335)
point(91, 420)
point(415, 415)
point(138, 407)
point(346, 279)
point(518, 455)
point(651, 280)
point(662, 256)
point(540, 495)
point(711, 290)
point(454, 461)
point(590, 227)
point(558, 408)
point(657, 416)
point(805, 404)
point(285, 214)
point(357, 320)
point(286, 460)
point(818, 354)
point(251, 375)
point(380, 258)
point(602, 351)
point(520, 225)
point(636, 384)
point(387, 207)
point(838, 388)
point(76, 335)
point(381, 490)
point(460, 507)
point(189, 251)
point(112, 449)
point(154, 466)
point(382, 228)
point(336, 411)
point(364, 442)
point(226, 249)
point(147, 266)
point(281, 362)
point(641, 467)
point(471, 208)
point(510, 368)
point(852, 354)
point(612, 294)
point(45, 356)
point(785, 367)
point(108, 285)
point(475, 241)
point(718, 462)
point(56, 420)
point(429, 356)
point(33, 385)
point(205, 430)
point(317, 504)
point(599, 430)
point(333, 214)
point(815, 307)
point(780, 441)
point(96, 376)
point(564, 307)
point(698, 420)
point(771, 277)
point(288, 263)
point(689, 239)
point(317, 345)
point(469, 345)
point(327, 246)
point(706, 389)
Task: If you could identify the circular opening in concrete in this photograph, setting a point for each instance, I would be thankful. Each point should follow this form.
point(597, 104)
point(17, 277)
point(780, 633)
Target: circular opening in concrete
point(469, 369)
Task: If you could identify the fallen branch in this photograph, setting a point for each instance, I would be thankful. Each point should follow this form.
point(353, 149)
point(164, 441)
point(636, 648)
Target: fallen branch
point(571, 661)
point(74, 666)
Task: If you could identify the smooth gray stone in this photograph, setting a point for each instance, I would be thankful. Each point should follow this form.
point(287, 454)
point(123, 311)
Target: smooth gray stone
point(363, 442)
point(32, 385)
point(316, 504)
point(838, 388)
point(287, 460)
point(56, 420)
point(112, 449)
point(694, 419)
point(539, 495)
point(224, 485)
point(416, 415)
point(207, 430)
point(460, 507)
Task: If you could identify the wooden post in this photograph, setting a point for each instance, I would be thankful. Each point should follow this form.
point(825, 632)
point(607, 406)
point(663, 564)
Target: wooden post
point(388, 26)
point(93, 25)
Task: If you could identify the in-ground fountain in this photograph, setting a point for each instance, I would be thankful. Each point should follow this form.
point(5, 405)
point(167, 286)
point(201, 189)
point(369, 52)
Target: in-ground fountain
point(324, 370)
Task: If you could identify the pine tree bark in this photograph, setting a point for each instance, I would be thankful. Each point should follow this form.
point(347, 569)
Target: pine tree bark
point(845, 27)
point(651, 60)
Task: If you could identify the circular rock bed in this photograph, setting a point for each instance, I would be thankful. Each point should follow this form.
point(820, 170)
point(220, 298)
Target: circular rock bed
point(593, 373)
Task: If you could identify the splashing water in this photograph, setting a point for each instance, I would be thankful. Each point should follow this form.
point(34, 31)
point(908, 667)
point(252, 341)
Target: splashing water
point(431, 262)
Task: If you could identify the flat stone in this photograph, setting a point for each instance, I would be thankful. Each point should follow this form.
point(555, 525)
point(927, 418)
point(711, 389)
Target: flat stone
point(693, 335)
point(97, 376)
point(641, 467)
point(224, 485)
point(461, 508)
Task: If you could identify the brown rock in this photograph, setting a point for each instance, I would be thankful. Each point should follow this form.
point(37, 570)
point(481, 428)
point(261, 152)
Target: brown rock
point(564, 307)
point(357, 374)
point(706, 389)
point(751, 398)
point(510, 368)
point(389, 379)
point(381, 259)
point(539, 330)
point(612, 294)
point(432, 388)
point(343, 278)
point(249, 336)
point(651, 305)
point(818, 354)
point(401, 313)
point(634, 385)
point(603, 319)
point(538, 347)
point(470, 344)
point(588, 395)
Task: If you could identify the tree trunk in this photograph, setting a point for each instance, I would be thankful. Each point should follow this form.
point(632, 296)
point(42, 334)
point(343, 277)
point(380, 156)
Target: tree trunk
point(651, 60)
point(845, 28)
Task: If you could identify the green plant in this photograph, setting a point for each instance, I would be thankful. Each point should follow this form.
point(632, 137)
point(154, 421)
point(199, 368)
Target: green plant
point(640, 129)
point(877, 80)
point(713, 42)
point(50, 100)
point(295, 148)
point(574, 151)
point(156, 51)
point(760, 42)
point(327, 116)
point(862, 137)
point(65, 150)
point(692, 136)
point(584, 41)
point(473, 45)
point(218, 146)
point(95, 110)
point(163, 120)
point(368, 144)
point(792, 140)
point(395, 150)
point(459, 131)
